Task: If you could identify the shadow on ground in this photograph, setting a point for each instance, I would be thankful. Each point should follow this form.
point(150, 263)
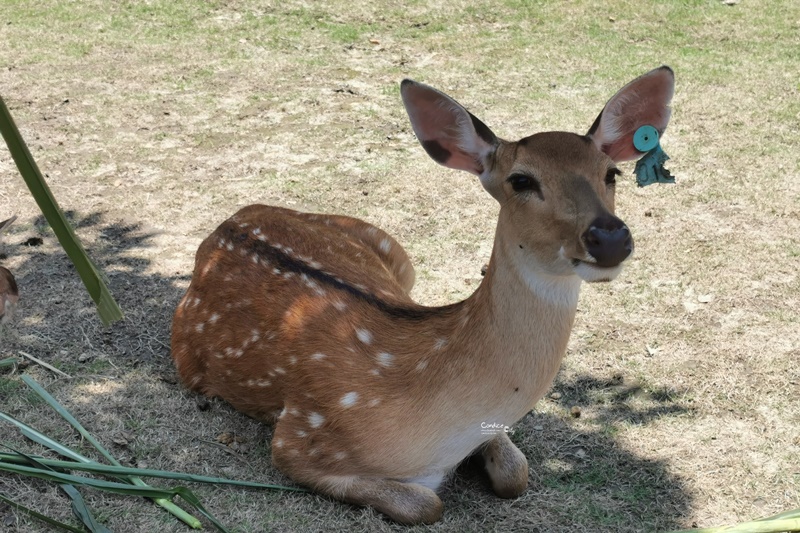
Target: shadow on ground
point(580, 479)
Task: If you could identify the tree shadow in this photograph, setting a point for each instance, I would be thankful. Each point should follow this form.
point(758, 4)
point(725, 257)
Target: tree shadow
point(56, 316)
point(617, 399)
point(581, 479)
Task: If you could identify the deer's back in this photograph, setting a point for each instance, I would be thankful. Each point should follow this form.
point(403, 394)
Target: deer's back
point(273, 285)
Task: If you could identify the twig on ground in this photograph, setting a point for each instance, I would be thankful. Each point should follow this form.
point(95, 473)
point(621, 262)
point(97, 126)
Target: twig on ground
point(46, 365)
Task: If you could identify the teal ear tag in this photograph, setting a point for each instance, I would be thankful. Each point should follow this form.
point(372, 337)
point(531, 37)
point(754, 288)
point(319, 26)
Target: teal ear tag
point(650, 168)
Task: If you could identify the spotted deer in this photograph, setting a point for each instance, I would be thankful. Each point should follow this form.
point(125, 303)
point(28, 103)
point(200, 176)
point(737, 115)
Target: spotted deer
point(305, 320)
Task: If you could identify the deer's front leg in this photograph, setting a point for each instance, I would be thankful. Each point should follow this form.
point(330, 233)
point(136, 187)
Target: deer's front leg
point(404, 502)
point(507, 467)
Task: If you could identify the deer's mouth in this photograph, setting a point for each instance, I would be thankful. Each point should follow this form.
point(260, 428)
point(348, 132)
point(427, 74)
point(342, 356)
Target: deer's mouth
point(591, 272)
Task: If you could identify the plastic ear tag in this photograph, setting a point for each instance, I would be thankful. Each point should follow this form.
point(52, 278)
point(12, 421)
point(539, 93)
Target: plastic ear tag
point(650, 168)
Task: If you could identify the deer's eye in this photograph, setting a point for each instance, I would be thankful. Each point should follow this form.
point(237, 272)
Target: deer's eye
point(611, 176)
point(525, 183)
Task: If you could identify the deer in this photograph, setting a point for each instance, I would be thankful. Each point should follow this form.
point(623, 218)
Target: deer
point(304, 320)
point(9, 292)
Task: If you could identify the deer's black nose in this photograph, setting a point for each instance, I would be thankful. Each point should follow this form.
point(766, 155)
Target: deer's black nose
point(608, 240)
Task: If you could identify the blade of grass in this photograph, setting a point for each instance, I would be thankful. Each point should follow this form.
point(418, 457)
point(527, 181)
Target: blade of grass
point(193, 500)
point(142, 472)
point(190, 520)
point(40, 516)
point(81, 510)
point(10, 361)
point(79, 507)
point(107, 308)
point(44, 440)
point(114, 487)
point(108, 486)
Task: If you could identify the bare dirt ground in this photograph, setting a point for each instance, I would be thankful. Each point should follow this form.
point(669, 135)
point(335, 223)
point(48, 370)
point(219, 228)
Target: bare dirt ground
point(154, 121)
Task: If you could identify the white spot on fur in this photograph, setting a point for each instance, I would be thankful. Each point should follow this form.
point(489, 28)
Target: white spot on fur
point(422, 365)
point(293, 360)
point(255, 258)
point(385, 359)
point(283, 413)
point(440, 343)
point(278, 443)
point(318, 356)
point(279, 370)
point(373, 402)
point(375, 372)
point(315, 420)
point(364, 336)
point(339, 305)
point(349, 399)
point(385, 246)
point(340, 455)
point(213, 318)
point(256, 231)
point(301, 433)
point(229, 246)
point(263, 383)
point(199, 327)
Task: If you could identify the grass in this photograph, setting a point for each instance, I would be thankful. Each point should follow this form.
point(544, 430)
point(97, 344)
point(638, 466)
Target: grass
point(181, 112)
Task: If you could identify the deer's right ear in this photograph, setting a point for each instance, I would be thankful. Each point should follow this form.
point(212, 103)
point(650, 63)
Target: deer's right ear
point(642, 102)
point(450, 134)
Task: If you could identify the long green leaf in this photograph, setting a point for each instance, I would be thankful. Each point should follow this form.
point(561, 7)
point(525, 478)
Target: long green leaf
point(114, 487)
point(193, 500)
point(44, 440)
point(143, 472)
point(10, 361)
point(79, 507)
point(108, 486)
point(66, 415)
point(107, 307)
point(40, 516)
point(190, 520)
point(81, 510)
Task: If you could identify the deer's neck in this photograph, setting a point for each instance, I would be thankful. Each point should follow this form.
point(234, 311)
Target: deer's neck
point(530, 312)
point(513, 333)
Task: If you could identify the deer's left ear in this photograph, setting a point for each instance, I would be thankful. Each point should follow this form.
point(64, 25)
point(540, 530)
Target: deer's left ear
point(642, 102)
